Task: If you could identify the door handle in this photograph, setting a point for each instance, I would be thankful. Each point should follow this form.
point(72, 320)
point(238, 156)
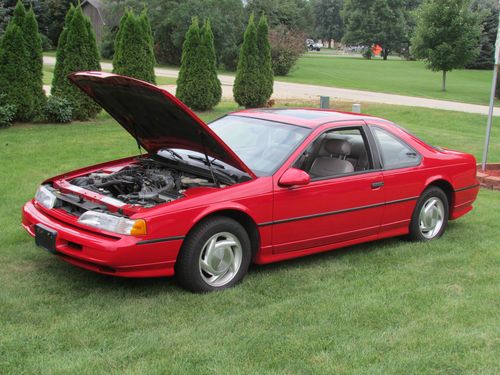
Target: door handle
point(378, 184)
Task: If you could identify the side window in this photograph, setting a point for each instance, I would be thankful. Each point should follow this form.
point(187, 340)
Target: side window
point(394, 152)
point(335, 153)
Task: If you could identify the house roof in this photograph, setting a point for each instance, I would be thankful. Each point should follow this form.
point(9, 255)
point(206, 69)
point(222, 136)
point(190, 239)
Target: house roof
point(101, 8)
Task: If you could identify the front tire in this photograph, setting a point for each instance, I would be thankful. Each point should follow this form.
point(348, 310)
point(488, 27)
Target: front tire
point(430, 217)
point(215, 255)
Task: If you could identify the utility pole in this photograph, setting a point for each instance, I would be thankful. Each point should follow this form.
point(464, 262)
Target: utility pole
point(492, 97)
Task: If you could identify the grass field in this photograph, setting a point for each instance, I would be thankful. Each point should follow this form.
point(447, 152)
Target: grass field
point(48, 74)
point(393, 76)
point(386, 307)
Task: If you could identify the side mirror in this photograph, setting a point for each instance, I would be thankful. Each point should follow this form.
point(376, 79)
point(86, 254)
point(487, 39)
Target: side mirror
point(294, 177)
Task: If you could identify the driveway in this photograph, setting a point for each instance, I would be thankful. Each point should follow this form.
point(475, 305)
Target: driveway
point(298, 91)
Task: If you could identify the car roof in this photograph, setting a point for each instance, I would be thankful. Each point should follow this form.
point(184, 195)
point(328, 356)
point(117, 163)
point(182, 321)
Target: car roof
point(308, 117)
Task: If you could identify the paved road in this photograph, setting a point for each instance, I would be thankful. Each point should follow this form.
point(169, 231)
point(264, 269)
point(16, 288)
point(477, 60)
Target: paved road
point(298, 91)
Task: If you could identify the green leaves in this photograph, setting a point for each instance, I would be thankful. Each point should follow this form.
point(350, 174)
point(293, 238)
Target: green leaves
point(254, 81)
point(198, 85)
point(446, 36)
point(21, 66)
point(134, 55)
point(77, 51)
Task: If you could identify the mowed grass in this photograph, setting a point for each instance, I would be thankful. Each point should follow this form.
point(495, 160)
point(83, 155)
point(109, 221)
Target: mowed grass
point(48, 74)
point(384, 307)
point(393, 76)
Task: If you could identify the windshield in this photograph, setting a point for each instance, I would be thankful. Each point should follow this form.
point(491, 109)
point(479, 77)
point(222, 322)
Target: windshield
point(262, 145)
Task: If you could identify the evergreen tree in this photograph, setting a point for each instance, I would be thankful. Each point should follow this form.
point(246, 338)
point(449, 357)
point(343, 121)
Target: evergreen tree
point(488, 13)
point(59, 78)
point(117, 58)
point(446, 36)
point(265, 63)
point(207, 51)
point(35, 61)
point(198, 86)
point(79, 54)
point(248, 79)
point(19, 14)
point(14, 73)
point(134, 55)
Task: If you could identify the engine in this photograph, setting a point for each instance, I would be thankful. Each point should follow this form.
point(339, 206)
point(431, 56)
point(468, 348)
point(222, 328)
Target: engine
point(145, 183)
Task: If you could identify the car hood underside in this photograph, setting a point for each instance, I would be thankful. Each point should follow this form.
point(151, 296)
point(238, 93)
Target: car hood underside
point(154, 117)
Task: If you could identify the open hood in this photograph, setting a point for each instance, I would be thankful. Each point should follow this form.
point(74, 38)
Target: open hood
point(154, 117)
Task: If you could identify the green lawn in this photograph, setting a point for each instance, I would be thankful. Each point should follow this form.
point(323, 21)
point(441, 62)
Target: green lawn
point(48, 74)
point(384, 307)
point(393, 76)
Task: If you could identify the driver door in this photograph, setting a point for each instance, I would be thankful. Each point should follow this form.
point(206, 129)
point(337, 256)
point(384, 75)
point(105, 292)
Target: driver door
point(335, 209)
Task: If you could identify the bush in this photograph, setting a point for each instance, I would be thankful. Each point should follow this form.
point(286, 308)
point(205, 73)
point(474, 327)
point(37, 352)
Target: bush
point(134, 55)
point(198, 86)
point(286, 47)
point(247, 89)
point(77, 51)
point(15, 80)
point(58, 110)
point(266, 68)
point(7, 112)
point(35, 62)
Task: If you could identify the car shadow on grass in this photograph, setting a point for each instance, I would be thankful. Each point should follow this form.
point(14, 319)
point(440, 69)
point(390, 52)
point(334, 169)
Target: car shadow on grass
point(57, 271)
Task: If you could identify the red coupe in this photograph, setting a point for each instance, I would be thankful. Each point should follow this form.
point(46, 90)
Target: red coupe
point(260, 185)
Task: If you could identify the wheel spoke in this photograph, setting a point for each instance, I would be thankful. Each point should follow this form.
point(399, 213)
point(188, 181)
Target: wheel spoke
point(208, 268)
point(220, 259)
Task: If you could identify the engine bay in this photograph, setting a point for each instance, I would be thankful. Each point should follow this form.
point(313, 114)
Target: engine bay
point(145, 183)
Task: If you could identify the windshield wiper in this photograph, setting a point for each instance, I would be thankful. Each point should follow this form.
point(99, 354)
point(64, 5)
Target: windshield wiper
point(173, 153)
point(206, 161)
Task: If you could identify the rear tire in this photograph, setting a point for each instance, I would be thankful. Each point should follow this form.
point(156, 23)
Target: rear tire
point(430, 217)
point(215, 255)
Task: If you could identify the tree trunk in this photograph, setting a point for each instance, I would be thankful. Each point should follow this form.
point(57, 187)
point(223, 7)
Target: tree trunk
point(385, 53)
point(443, 87)
point(329, 43)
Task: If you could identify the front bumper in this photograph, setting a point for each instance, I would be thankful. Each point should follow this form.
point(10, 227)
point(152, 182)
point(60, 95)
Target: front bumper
point(117, 255)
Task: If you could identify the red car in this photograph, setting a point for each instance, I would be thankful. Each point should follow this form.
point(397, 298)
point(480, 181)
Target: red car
point(260, 185)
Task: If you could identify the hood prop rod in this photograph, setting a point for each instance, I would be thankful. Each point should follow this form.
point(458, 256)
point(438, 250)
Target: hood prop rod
point(136, 138)
point(209, 163)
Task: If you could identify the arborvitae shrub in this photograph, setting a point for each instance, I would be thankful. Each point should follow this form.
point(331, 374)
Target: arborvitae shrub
point(59, 78)
point(247, 88)
point(35, 62)
point(134, 56)
point(80, 54)
point(266, 68)
point(198, 86)
point(15, 81)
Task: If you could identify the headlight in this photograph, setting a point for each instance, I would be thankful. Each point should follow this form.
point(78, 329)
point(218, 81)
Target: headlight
point(113, 223)
point(45, 197)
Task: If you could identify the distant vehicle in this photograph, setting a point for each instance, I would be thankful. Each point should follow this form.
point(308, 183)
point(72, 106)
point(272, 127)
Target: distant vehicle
point(313, 46)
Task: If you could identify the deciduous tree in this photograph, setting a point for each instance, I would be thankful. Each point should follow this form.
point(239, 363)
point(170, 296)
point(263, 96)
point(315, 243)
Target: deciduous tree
point(328, 22)
point(446, 36)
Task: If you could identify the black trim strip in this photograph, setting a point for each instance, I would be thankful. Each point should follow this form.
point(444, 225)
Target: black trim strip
point(335, 212)
point(466, 188)
point(155, 240)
